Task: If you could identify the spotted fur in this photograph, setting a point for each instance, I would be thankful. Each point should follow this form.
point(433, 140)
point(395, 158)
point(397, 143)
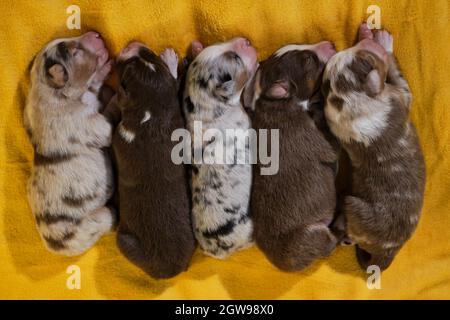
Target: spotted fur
point(71, 179)
point(220, 193)
point(368, 103)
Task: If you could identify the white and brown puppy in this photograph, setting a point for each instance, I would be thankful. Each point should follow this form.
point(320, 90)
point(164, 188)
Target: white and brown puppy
point(220, 192)
point(155, 229)
point(292, 210)
point(71, 179)
point(368, 103)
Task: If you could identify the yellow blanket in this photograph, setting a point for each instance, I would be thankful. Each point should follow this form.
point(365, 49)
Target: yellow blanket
point(421, 33)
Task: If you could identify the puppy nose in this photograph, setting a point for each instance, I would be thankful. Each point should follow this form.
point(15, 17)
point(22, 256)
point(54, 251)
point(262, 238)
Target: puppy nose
point(132, 46)
point(92, 35)
point(325, 50)
point(242, 42)
point(131, 50)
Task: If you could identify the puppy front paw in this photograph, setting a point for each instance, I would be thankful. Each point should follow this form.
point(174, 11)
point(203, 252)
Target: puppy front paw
point(170, 58)
point(385, 39)
point(100, 75)
point(364, 32)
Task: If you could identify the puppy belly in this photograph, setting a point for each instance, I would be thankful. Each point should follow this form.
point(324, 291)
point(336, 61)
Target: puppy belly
point(220, 208)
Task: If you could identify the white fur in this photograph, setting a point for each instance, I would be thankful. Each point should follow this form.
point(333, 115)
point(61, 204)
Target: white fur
point(147, 116)
point(234, 181)
point(74, 127)
point(293, 47)
point(126, 134)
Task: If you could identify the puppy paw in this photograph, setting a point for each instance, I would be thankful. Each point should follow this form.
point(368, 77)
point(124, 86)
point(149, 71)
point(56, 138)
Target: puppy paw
point(170, 58)
point(101, 75)
point(102, 58)
point(364, 32)
point(196, 48)
point(385, 39)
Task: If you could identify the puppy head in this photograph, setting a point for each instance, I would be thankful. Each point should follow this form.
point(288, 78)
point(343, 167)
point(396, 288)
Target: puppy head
point(293, 72)
point(361, 69)
point(67, 65)
point(143, 76)
point(221, 71)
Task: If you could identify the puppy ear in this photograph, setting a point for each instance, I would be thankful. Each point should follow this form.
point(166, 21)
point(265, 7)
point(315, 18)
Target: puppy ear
point(374, 83)
point(248, 98)
point(279, 90)
point(122, 92)
point(57, 76)
point(225, 89)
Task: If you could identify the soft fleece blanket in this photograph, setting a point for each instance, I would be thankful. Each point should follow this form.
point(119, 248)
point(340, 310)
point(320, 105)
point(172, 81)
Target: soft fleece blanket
point(421, 32)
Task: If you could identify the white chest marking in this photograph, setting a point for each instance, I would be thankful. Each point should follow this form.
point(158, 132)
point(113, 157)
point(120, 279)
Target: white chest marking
point(147, 116)
point(126, 134)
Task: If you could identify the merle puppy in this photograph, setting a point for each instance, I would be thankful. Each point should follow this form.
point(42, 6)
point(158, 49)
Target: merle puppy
point(155, 226)
point(71, 179)
point(221, 191)
point(368, 104)
point(292, 210)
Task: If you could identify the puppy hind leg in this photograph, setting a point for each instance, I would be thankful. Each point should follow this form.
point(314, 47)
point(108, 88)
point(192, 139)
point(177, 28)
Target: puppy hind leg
point(89, 230)
point(382, 259)
point(302, 246)
point(358, 215)
point(154, 264)
point(339, 229)
point(170, 58)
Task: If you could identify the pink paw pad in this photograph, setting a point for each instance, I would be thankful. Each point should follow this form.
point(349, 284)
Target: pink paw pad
point(385, 39)
point(170, 58)
point(364, 32)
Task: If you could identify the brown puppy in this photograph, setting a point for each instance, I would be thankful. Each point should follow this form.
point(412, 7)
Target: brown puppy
point(368, 104)
point(155, 229)
point(293, 208)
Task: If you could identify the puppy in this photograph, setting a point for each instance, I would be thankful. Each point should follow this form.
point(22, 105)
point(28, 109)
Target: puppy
point(292, 209)
point(155, 230)
point(71, 179)
point(220, 192)
point(368, 103)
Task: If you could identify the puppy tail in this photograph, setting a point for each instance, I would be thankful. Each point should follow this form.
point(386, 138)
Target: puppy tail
point(302, 246)
point(153, 265)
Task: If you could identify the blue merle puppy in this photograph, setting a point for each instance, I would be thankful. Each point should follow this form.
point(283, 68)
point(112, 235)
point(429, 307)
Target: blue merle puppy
point(220, 191)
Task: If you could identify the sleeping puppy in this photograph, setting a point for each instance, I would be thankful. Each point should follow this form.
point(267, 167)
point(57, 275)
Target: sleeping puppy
point(71, 179)
point(220, 192)
point(155, 229)
point(368, 103)
point(292, 209)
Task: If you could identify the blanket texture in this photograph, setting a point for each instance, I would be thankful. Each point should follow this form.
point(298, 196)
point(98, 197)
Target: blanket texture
point(421, 33)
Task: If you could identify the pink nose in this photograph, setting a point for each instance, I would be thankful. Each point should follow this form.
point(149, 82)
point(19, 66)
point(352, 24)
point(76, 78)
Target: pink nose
point(92, 41)
point(91, 35)
point(244, 48)
point(131, 50)
point(372, 46)
point(242, 43)
point(325, 50)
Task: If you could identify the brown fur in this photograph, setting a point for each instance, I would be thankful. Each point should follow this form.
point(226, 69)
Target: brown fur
point(292, 209)
point(383, 204)
point(155, 228)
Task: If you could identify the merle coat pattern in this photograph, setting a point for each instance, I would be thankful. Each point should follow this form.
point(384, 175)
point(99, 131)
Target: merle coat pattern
point(220, 192)
point(71, 179)
point(368, 103)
